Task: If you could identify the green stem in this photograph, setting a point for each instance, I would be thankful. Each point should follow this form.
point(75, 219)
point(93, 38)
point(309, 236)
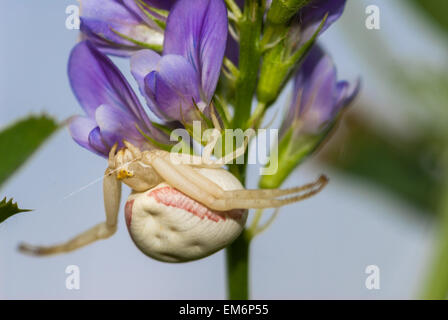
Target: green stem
point(237, 255)
point(437, 283)
point(249, 61)
point(250, 25)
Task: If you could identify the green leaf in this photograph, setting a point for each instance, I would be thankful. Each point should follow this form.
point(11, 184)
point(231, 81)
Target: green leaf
point(8, 209)
point(20, 140)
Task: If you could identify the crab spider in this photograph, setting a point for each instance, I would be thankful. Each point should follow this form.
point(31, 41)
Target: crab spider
point(182, 207)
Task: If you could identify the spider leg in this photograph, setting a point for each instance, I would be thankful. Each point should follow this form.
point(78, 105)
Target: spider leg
point(193, 177)
point(207, 162)
point(174, 178)
point(112, 195)
point(238, 152)
point(200, 180)
point(234, 155)
point(257, 203)
point(111, 159)
point(192, 160)
point(204, 162)
point(274, 193)
point(201, 189)
point(175, 158)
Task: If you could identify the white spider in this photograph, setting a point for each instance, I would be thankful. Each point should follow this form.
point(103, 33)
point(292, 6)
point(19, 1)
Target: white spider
point(182, 207)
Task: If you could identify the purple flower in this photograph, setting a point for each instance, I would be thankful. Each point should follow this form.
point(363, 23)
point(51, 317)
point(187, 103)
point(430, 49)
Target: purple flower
point(311, 16)
point(186, 75)
point(112, 108)
point(120, 27)
point(318, 95)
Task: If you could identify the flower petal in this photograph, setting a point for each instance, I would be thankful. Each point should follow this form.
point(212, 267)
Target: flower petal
point(321, 85)
point(318, 96)
point(97, 143)
point(80, 128)
point(118, 27)
point(197, 30)
point(108, 48)
point(312, 15)
point(143, 62)
point(174, 86)
point(150, 92)
point(100, 16)
point(116, 125)
point(160, 4)
point(232, 50)
point(347, 92)
point(95, 81)
point(135, 7)
point(319, 99)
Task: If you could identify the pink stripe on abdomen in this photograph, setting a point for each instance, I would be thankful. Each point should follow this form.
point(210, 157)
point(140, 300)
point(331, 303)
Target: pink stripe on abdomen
point(176, 199)
point(128, 212)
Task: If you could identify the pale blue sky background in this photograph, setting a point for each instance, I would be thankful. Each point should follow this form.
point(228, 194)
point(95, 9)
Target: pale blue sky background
point(315, 249)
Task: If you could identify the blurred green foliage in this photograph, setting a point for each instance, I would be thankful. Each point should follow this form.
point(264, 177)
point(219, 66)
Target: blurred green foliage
point(436, 10)
point(20, 140)
point(415, 168)
point(8, 209)
point(403, 167)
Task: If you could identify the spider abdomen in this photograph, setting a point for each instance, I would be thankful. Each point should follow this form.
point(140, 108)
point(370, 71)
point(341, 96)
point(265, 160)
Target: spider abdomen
point(167, 225)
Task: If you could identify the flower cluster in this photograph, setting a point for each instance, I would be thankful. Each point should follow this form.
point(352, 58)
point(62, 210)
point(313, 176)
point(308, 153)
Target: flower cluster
point(178, 85)
point(191, 56)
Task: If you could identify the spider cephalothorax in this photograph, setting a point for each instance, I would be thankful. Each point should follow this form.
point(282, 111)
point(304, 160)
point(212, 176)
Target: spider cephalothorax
point(182, 207)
